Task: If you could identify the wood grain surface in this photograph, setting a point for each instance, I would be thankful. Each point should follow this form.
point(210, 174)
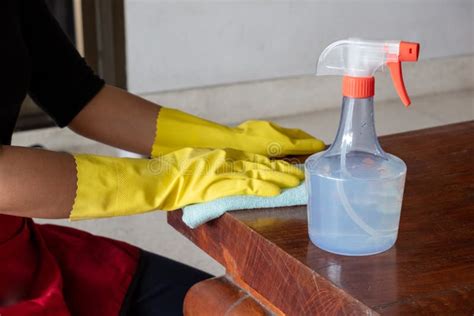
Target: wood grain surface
point(429, 271)
point(219, 296)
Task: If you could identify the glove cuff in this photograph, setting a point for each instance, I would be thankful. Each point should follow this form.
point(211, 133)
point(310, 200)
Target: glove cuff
point(96, 188)
point(176, 130)
point(108, 187)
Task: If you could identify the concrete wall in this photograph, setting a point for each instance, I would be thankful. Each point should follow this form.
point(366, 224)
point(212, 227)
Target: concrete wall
point(181, 44)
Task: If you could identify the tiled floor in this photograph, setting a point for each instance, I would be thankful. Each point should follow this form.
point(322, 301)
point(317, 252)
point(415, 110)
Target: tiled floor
point(151, 232)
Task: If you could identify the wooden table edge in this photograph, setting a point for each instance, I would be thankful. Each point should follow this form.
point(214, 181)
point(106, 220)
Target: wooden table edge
point(211, 238)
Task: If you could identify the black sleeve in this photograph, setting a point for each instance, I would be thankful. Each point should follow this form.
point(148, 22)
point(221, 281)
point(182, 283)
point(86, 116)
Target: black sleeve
point(61, 81)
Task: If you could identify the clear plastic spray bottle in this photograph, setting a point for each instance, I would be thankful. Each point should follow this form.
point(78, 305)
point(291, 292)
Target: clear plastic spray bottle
point(355, 188)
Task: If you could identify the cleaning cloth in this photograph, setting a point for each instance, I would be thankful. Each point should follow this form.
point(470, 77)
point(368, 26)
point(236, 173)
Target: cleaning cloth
point(197, 214)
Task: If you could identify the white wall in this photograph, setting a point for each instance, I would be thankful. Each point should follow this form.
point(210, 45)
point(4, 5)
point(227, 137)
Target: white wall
point(181, 44)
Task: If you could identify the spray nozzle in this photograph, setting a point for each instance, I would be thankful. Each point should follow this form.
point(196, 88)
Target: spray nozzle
point(358, 60)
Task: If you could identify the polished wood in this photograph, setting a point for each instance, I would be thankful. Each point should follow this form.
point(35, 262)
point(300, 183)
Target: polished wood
point(429, 271)
point(219, 296)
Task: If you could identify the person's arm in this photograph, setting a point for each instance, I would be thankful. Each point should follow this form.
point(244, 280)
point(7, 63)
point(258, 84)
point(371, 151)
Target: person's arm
point(36, 183)
point(120, 119)
point(67, 89)
point(39, 183)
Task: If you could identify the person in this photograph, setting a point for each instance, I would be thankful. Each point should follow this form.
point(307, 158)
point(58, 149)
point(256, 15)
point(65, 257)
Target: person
point(54, 270)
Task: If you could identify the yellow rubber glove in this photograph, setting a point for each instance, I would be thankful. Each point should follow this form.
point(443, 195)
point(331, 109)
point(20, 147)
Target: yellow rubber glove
point(176, 129)
point(124, 186)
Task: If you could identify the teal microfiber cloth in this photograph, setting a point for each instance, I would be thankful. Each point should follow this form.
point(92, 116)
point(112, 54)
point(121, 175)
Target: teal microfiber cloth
point(197, 214)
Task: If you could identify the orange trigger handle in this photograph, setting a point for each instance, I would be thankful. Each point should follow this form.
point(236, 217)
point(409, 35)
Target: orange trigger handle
point(407, 52)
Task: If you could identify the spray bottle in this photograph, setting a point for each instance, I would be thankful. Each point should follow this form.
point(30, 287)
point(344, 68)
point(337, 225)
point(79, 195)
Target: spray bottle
point(355, 188)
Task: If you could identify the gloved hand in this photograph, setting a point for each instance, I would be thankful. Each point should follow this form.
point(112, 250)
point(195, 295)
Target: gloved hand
point(123, 186)
point(176, 129)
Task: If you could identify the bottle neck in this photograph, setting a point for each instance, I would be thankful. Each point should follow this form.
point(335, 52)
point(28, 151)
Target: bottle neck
point(356, 131)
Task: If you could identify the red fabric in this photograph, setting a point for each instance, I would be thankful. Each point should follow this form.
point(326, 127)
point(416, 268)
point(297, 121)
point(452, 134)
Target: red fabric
point(53, 270)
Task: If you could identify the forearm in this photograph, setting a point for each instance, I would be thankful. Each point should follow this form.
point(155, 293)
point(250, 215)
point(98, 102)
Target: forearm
point(120, 119)
point(36, 183)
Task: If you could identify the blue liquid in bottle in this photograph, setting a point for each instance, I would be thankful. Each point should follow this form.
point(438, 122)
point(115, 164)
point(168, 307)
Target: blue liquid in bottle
point(355, 188)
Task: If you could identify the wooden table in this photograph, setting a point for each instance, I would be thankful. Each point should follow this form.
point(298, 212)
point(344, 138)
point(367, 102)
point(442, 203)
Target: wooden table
point(273, 268)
